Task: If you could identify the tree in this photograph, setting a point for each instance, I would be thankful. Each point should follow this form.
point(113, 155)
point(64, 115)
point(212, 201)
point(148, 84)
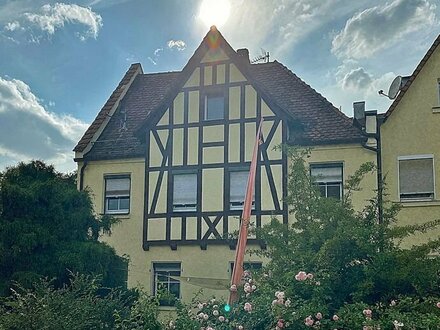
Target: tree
point(48, 228)
point(333, 268)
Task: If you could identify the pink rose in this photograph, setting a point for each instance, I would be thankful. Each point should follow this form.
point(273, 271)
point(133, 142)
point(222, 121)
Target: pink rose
point(308, 321)
point(310, 276)
point(438, 304)
point(240, 327)
point(280, 324)
point(233, 288)
point(335, 317)
point(221, 318)
point(367, 313)
point(247, 307)
point(301, 276)
point(318, 316)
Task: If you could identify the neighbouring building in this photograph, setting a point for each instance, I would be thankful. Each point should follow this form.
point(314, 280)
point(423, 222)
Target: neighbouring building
point(169, 154)
point(410, 145)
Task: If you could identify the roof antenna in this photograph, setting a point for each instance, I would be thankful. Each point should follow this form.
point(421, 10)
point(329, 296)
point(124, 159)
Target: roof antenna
point(123, 122)
point(264, 56)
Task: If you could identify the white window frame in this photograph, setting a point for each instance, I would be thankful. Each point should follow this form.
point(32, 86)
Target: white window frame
point(192, 207)
point(107, 198)
point(239, 207)
point(217, 94)
point(329, 165)
point(165, 266)
point(416, 157)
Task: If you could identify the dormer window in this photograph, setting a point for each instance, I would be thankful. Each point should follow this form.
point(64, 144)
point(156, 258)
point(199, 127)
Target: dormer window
point(215, 105)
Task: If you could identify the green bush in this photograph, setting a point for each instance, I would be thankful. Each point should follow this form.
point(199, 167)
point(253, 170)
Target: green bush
point(333, 268)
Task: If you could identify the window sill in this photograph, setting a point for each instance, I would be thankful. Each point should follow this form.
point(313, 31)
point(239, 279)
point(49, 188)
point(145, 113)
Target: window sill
point(118, 215)
point(420, 203)
point(436, 109)
point(167, 308)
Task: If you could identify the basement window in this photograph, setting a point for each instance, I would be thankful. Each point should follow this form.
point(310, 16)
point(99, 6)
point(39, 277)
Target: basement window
point(117, 194)
point(416, 178)
point(166, 283)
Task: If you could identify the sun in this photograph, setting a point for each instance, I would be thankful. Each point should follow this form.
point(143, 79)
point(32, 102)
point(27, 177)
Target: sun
point(214, 12)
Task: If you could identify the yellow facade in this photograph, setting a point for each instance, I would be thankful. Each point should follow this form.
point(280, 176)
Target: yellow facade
point(411, 130)
point(183, 140)
point(351, 156)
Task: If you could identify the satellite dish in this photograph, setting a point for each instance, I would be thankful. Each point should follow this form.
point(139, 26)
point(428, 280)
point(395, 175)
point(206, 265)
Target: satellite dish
point(395, 88)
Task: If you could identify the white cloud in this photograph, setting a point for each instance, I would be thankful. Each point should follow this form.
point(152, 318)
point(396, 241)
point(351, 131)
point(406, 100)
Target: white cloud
point(382, 26)
point(356, 79)
point(29, 131)
point(158, 51)
point(50, 18)
point(176, 44)
point(12, 26)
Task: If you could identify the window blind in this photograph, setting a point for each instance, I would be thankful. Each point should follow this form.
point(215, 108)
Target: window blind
point(416, 176)
point(327, 174)
point(185, 189)
point(116, 187)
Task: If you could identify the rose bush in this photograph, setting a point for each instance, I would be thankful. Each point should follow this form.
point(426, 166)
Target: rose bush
point(333, 268)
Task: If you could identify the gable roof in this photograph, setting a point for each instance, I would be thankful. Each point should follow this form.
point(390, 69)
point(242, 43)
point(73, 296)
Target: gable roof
point(322, 122)
point(103, 114)
point(151, 94)
point(414, 75)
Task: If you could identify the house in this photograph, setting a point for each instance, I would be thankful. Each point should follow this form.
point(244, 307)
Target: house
point(410, 146)
point(169, 154)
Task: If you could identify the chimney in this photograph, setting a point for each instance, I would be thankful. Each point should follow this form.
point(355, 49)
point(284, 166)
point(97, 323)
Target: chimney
point(359, 110)
point(243, 54)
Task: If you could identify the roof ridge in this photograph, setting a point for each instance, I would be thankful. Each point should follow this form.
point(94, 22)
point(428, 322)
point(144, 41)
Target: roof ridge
point(413, 76)
point(323, 98)
point(160, 73)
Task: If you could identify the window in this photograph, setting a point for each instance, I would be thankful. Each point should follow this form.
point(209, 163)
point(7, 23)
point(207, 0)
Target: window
point(328, 177)
point(238, 184)
point(250, 265)
point(214, 106)
point(416, 177)
point(165, 284)
point(117, 195)
point(185, 192)
point(438, 90)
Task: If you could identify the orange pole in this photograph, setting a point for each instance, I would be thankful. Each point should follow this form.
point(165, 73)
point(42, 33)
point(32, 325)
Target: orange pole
point(237, 272)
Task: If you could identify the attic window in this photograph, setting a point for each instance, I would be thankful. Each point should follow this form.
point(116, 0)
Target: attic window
point(214, 106)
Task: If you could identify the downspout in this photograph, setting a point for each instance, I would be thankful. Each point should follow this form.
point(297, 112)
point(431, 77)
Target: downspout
point(81, 175)
point(379, 170)
point(378, 151)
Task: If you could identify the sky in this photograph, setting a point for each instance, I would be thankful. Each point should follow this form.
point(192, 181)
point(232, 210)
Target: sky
point(60, 61)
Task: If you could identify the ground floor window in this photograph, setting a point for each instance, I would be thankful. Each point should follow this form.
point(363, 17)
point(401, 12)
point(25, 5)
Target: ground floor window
point(328, 177)
point(117, 194)
point(249, 265)
point(165, 282)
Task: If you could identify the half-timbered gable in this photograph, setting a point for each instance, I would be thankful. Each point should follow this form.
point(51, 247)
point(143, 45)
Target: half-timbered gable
point(199, 149)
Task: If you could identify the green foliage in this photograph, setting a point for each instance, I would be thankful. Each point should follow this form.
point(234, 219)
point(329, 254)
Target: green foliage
point(47, 227)
point(334, 268)
point(80, 305)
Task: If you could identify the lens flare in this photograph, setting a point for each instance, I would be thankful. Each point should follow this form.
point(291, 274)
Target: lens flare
point(214, 12)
